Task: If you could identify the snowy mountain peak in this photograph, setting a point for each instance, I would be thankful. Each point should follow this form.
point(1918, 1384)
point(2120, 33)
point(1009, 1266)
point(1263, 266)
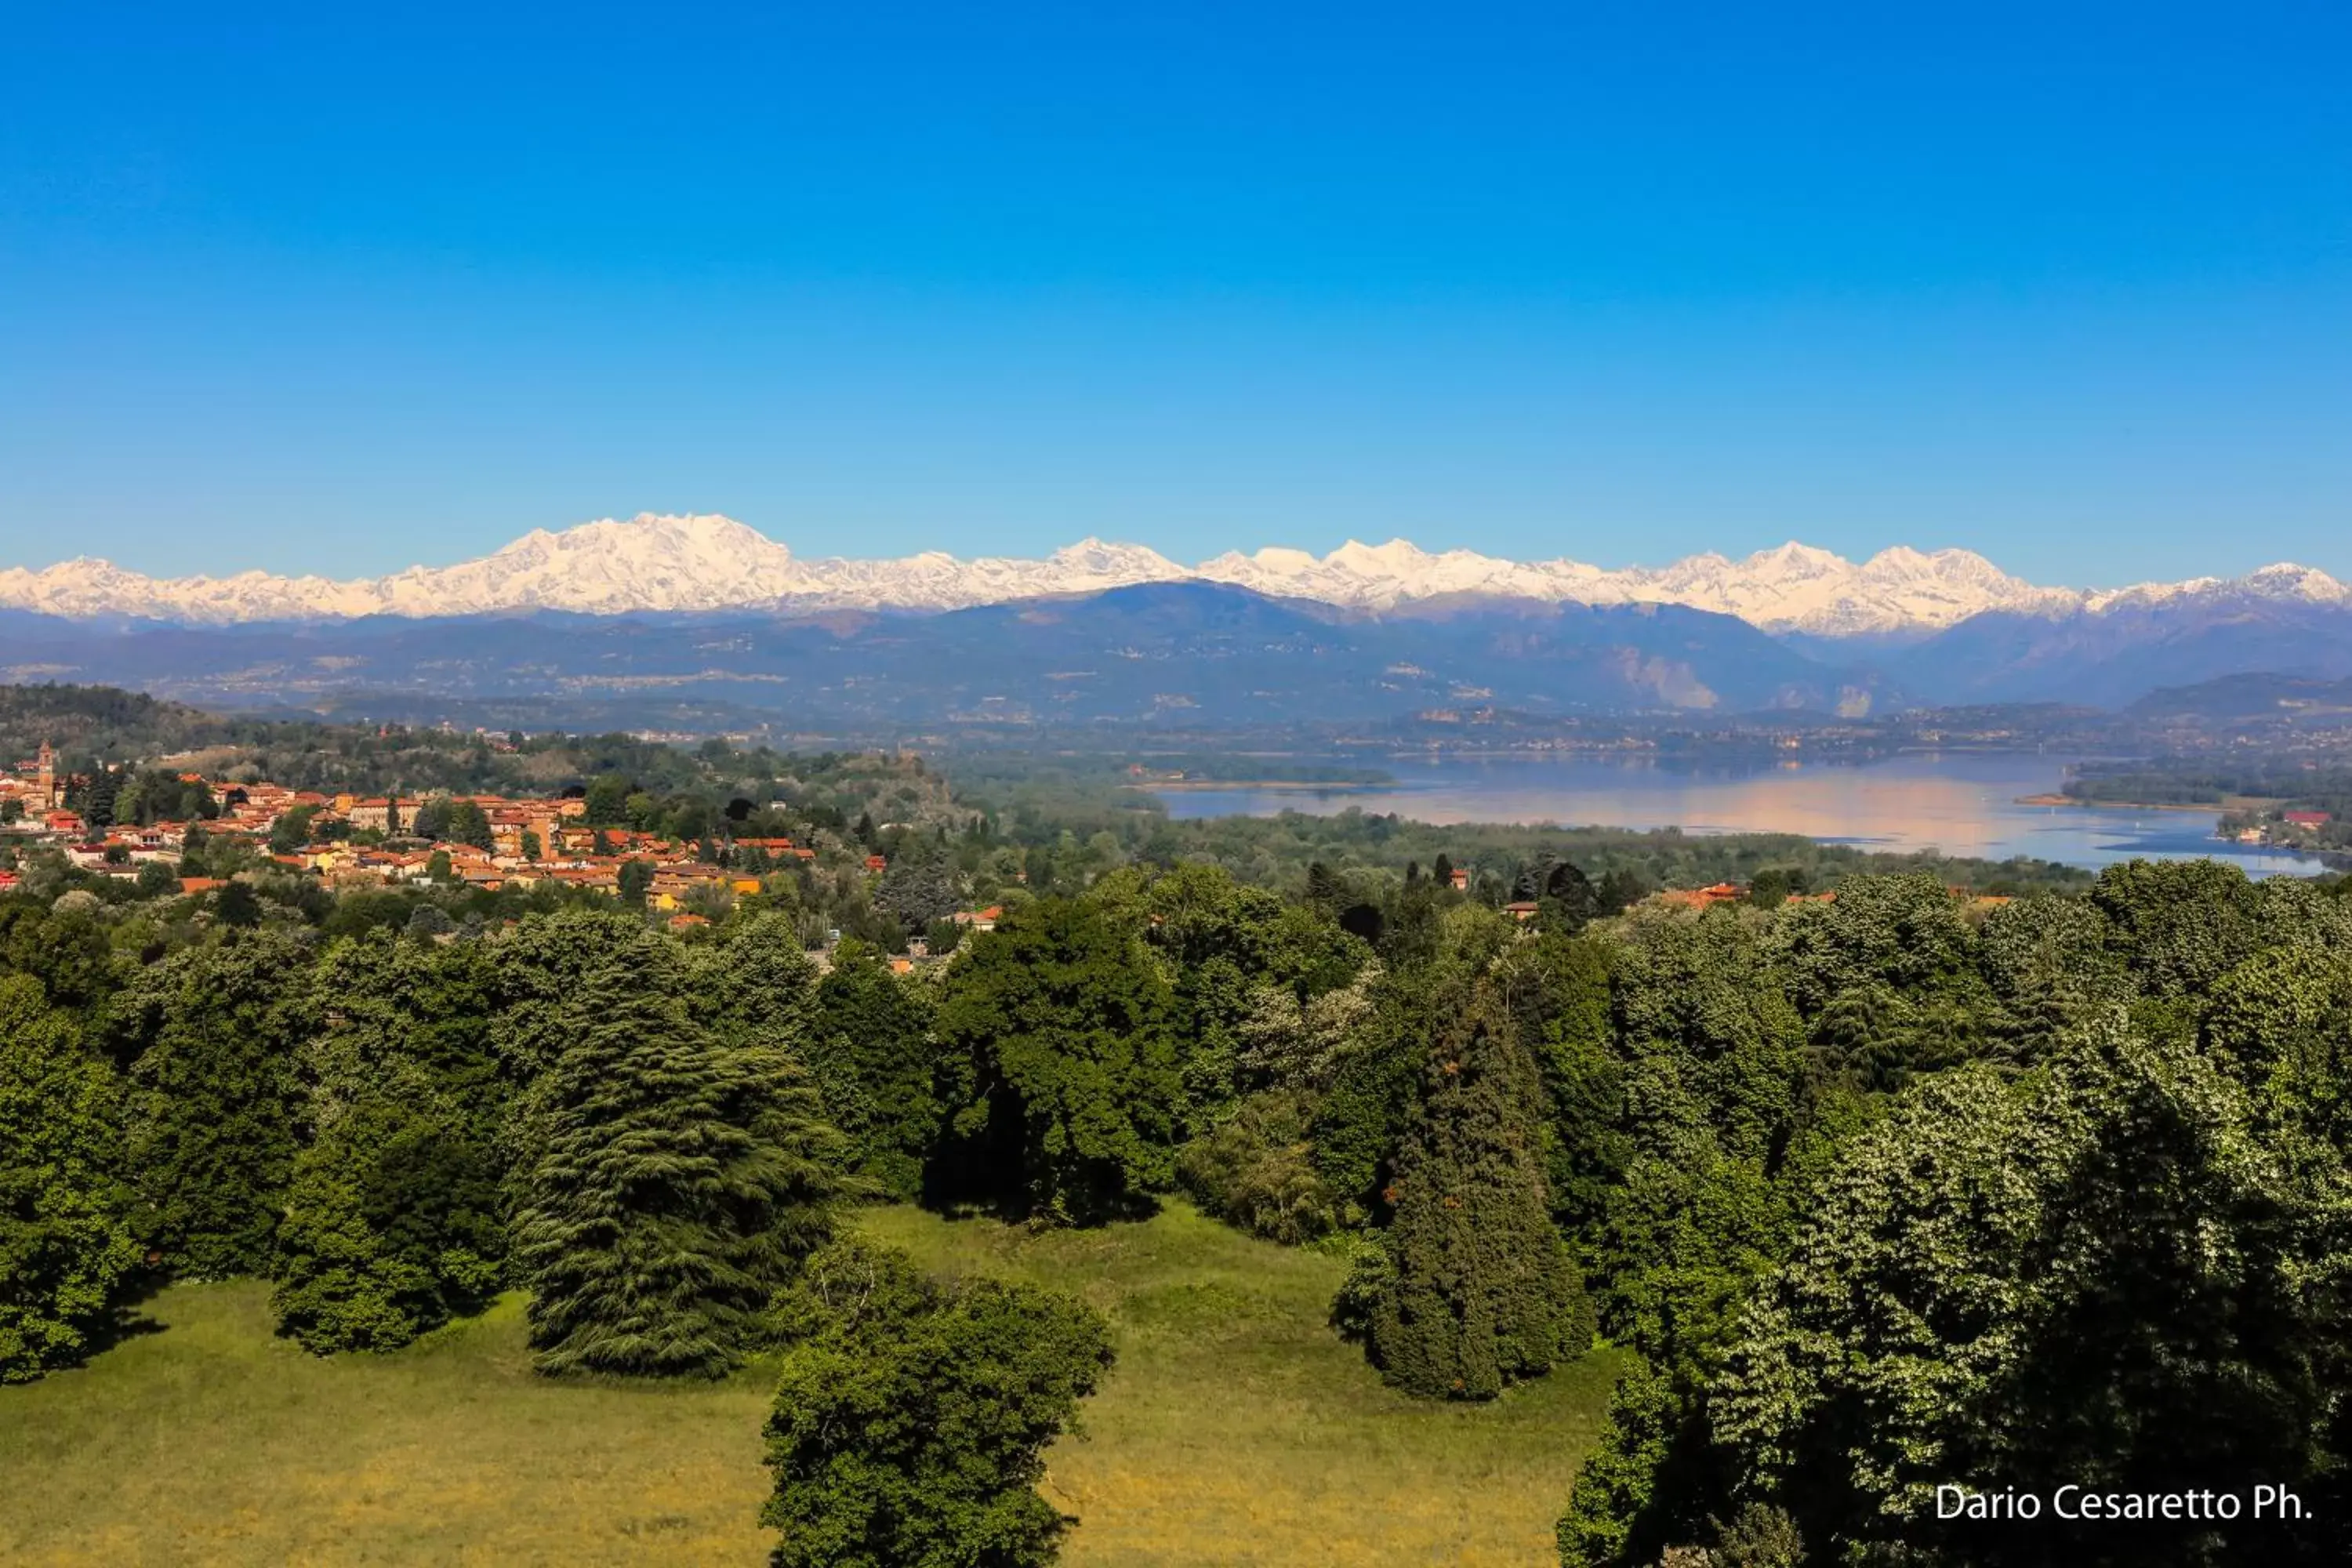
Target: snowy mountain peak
point(660, 562)
point(2285, 580)
point(1372, 560)
point(1795, 560)
point(1101, 558)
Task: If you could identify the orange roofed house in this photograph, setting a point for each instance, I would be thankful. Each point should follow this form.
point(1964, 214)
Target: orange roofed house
point(1703, 898)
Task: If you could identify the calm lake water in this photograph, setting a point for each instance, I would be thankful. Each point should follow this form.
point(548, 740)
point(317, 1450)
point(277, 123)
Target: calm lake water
point(1960, 803)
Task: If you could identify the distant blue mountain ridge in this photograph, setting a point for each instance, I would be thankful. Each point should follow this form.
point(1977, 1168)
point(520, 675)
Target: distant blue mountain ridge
point(1194, 653)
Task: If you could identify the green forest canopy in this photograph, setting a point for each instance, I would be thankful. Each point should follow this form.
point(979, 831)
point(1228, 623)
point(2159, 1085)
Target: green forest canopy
point(1875, 1193)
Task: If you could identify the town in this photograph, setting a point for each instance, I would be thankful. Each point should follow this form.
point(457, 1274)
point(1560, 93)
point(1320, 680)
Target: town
point(486, 841)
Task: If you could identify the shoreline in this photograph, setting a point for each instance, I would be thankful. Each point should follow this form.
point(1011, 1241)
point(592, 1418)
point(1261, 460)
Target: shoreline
point(1295, 786)
point(2115, 804)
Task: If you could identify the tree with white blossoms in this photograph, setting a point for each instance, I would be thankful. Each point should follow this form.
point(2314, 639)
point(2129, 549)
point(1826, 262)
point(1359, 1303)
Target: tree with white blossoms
point(2129, 1272)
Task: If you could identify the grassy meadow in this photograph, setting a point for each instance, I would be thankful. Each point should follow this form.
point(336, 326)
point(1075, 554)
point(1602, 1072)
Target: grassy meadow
point(1235, 1429)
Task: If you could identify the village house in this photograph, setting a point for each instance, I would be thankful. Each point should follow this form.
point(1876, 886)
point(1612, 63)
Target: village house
point(1703, 898)
point(672, 884)
point(370, 813)
point(91, 856)
point(603, 878)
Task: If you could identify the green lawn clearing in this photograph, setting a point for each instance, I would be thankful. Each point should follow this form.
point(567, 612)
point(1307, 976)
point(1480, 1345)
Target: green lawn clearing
point(1235, 1429)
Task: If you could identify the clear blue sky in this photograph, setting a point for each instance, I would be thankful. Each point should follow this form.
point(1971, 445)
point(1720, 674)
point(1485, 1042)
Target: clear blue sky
point(341, 288)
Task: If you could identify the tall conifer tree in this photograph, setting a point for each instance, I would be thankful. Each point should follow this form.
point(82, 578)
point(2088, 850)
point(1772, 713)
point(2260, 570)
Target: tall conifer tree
point(1482, 1291)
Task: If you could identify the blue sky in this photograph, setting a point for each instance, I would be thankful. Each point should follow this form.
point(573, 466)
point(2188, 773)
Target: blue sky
point(316, 290)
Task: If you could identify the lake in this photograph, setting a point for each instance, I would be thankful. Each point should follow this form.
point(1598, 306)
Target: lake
point(1962, 804)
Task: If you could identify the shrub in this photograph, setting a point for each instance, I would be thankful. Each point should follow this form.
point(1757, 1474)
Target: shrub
point(1256, 1172)
point(910, 1425)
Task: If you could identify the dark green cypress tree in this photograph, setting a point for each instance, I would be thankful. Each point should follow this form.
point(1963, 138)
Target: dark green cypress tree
point(680, 1183)
point(98, 797)
point(872, 1055)
point(1483, 1291)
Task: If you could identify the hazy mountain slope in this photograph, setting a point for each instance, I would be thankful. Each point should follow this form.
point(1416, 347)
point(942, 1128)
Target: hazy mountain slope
point(1202, 653)
point(2117, 654)
point(1191, 653)
point(2293, 700)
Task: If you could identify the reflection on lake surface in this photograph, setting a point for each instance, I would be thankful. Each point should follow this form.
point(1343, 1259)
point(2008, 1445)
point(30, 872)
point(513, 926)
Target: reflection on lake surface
point(1960, 803)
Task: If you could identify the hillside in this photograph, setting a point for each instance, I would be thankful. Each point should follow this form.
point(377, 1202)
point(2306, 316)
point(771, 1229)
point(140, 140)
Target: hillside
point(101, 721)
point(2113, 655)
point(1182, 654)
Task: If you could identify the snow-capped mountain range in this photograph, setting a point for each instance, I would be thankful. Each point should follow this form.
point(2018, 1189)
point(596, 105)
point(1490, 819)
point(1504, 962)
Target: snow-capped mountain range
point(654, 563)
